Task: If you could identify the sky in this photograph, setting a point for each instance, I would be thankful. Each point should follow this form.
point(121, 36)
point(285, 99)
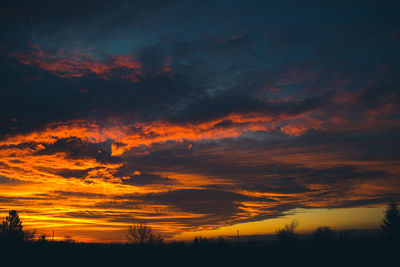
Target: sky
point(198, 117)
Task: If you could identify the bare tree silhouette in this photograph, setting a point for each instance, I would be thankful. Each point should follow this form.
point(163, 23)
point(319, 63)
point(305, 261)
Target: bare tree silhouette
point(142, 234)
point(287, 233)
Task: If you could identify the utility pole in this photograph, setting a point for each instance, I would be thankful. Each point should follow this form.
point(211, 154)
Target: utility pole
point(52, 238)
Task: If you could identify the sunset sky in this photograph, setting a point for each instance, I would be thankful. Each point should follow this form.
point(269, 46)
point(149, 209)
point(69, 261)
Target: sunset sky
point(198, 117)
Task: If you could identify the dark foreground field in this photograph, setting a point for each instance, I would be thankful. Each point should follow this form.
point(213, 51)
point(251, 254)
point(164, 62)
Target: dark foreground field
point(340, 251)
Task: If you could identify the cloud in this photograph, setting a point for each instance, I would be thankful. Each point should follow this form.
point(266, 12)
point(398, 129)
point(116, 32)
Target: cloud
point(75, 64)
point(143, 179)
point(5, 180)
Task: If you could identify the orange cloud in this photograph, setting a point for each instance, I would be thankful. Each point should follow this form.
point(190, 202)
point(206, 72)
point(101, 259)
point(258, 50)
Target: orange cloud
point(300, 127)
point(68, 64)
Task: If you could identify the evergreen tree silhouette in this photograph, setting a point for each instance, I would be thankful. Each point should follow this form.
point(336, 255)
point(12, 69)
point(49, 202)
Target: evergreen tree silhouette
point(391, 222)
point(11, 228)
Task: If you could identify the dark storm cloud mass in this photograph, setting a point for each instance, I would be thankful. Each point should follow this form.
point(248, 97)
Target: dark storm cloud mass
point(219, 107)
point(199, 113)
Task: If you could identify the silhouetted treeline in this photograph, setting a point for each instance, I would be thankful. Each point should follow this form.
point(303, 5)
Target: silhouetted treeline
point(338, 250)
point(324, 247)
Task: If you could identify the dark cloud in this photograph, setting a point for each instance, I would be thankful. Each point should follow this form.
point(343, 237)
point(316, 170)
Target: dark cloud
point(145, 179)
point(77, 194)
point(203, 201)
point(68, 173)
point(219, 107)
point(8, 181)
point(77, 149)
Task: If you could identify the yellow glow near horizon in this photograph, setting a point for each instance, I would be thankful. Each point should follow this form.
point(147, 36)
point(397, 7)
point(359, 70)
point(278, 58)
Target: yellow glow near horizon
point(309, 220)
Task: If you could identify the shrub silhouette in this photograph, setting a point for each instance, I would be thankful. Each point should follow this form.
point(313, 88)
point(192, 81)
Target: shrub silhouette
point(142, 234)
point(323, 235)
point(68, 239)
point(287, 233)
point(209, 242)
point(11, 228)
point(29, 236)
point(391, 222)
point(42, 238)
